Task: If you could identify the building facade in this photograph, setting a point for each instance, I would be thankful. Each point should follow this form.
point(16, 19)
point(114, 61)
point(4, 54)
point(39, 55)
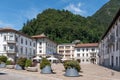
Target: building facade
point(14, 44)
point(109, 46)
point(86, 53)
point(67, 50)
point(45, 46)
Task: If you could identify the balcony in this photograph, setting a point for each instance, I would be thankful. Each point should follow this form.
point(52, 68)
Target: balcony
point(11, 41)
point(92, 55)
point(11, 51)
point(111, 40)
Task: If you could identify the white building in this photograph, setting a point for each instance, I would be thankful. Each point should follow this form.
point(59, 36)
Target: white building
point(67, 50)
point(14, 44)
point(109, 46)
point(45, 46)
point(86, 53)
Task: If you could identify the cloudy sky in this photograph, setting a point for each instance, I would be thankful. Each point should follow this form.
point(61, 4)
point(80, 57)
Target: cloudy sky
point(13, 13)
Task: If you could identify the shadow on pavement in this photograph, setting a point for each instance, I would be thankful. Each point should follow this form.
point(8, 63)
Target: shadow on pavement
point(2, 73)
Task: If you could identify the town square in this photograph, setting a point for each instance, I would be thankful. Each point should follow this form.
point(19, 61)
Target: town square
point(88, 72)
point(60, 40)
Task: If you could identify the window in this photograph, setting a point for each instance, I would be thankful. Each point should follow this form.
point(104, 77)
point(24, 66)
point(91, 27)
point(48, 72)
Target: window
point(11, 47)
point(40, 47)
point(83, 54)
point(67, 47)
point(30, 51)
point(40, 51)
point(5, 48)
point(93, 49)
point(61, 51)
point(87, 49)
point(87, 60)
point(33, 44)
point(61, 47)
point(5, 38)
point(34, 52)
point(78, 55)
point(21, 40)
point(67, 51)
point(30, 43)
point(41, 43)
point(21, 49)
point(117, 45)
point(83, 50)
point(26, 42)
point(87, 54)
point(116, 61)
point(26, 50)
point(117, 32)
point(78, 49)
point(48, 44)
point(83, 60)
point(11, 37)
point(16, 39)
point(16, 48)
point(119, 61)
point(113, 47)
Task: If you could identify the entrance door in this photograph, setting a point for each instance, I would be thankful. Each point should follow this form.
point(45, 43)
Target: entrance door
point(93, 60)
point(112, 61)
point(119, 62)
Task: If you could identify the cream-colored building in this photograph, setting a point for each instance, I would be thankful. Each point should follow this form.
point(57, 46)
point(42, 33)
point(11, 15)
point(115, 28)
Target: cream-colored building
point(86, 53)
point(109, 46)
point(44, 46)
point(67, 50)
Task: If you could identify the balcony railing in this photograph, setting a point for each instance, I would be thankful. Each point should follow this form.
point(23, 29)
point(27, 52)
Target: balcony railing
point(11, 41)
point(11, 51)
point(92, 56)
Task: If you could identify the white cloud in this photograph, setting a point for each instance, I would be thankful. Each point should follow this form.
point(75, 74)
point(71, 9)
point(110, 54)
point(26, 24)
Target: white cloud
point(30, 13)
point(75, 8)
point(4, 24)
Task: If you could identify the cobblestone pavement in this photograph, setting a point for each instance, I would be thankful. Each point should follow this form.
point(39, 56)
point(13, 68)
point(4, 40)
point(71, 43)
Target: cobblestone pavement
point(88, 72)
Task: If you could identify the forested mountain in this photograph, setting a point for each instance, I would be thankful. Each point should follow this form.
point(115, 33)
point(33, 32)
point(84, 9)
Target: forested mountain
point(107, 12)
point(63, 26)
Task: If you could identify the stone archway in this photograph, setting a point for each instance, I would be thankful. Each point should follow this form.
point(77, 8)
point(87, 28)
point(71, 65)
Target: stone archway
point(79, 60)
point(93, 60)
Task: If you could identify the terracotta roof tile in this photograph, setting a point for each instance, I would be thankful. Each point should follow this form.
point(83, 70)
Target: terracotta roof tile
point(87, 45)
point(40, 36)
point(8, 29)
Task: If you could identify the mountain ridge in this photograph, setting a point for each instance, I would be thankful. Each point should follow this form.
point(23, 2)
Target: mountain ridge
point(63, 26)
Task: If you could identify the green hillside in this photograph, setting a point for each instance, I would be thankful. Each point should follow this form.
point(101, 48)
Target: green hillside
point(63, 26)
point(107, 12)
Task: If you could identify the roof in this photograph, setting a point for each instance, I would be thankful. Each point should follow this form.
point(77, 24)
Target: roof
point(39, 36)
point(12, 30)
point(87, 45)
point(42, 36)
point(112, 23)
point(66, 44)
